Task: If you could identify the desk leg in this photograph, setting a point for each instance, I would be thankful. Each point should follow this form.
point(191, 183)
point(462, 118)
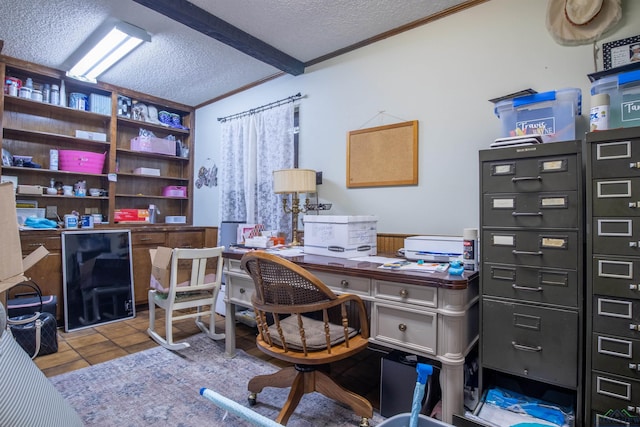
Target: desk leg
point(452, 380)
point(230, 330)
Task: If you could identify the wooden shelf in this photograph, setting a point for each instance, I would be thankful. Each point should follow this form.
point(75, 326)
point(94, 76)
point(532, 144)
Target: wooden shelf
point(49, 138)
point(137, 123)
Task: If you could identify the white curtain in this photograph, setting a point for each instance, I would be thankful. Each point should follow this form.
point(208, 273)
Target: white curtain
point(252, 147)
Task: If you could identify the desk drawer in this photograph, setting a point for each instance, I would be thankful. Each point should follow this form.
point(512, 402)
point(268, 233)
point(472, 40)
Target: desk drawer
point(415, 330)
point(617, 355)
point(233, 265)
point(407, 294)
point(185, 239)
point(533, 342)
point(531, 175)
point(542, 285)
point(239, 289)
point(542, 210)
point(345, 284)
point(552, 249)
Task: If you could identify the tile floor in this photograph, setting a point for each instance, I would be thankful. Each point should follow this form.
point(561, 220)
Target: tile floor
point(82, 348)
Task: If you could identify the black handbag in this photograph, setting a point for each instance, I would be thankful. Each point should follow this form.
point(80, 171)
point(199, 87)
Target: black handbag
point(37, 332)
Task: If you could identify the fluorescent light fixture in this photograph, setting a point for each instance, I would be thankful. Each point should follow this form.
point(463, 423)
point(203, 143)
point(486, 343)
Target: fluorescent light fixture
point(111, 42)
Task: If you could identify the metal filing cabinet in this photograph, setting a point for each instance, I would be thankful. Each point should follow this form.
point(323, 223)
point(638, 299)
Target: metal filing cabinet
point(613, 277)
point(532, 225)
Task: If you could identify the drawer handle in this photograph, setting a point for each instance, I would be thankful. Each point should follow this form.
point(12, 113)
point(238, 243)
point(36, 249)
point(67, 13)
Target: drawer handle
point(344, 283)
point(634, 165)
point(526, 213)
point(633, 327)
point(526, 347)
point(402, 327)
point(242, 291)
point(515, 252)
point(144, 239)
point(404, 293)
point(527, 178)
point(35, 244)
point(634, 204)
point(634, 366)
point(633, 244)
point(526, 288)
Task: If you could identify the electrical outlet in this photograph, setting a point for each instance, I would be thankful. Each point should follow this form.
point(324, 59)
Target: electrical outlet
point(51, 212)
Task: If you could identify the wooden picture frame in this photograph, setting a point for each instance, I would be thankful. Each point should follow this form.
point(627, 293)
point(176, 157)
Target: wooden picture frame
point(383, 156)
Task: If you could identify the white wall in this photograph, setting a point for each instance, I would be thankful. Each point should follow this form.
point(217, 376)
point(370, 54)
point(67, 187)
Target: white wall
point(441, 74)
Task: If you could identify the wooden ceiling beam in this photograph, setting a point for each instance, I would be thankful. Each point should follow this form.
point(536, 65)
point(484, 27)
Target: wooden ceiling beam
point(202, 21)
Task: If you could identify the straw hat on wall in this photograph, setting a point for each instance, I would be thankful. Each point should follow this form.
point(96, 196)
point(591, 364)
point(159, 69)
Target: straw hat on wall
point(576, 22)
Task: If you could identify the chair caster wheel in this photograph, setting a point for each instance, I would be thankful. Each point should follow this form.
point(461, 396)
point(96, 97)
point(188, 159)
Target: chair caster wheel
point(253, 399)
point(364, 422)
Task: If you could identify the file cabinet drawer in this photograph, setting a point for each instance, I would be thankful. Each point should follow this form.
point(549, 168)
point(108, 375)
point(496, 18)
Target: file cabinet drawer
point(535, 342)
point(616, 197)
point(530, 174)
point(613, 393)
point(616, 276)
point(540, 285)
point(614, 159)
point(620, 236)
point(616, 355)
point(542, 210)
point(616, 316)
point(534, 248)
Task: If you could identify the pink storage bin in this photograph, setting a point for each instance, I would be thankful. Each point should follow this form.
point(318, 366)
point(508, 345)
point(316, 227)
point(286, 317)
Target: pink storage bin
point(153, 145)
point(81, 161)
point(174, 191)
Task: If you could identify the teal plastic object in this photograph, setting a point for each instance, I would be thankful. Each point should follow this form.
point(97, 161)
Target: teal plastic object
point(456, 268)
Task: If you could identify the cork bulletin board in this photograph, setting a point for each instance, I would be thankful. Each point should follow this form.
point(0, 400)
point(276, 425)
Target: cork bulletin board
point(383, 156)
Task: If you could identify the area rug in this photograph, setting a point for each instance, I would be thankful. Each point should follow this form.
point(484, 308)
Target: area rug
point(161, 388)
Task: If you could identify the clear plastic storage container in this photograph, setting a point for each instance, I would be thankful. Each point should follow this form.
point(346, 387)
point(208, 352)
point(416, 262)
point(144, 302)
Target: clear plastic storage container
point(624, 95)
point(556, 115)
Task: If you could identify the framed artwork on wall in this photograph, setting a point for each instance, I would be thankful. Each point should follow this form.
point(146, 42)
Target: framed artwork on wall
point(621, 52)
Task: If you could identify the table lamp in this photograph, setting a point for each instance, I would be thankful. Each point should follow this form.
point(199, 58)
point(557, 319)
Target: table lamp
point(294, 181)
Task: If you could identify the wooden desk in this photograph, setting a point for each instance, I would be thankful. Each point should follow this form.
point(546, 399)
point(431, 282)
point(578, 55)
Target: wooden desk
point(434, 315)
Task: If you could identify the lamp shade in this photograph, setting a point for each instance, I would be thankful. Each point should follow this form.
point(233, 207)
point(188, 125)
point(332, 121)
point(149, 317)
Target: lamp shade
point(294, 181)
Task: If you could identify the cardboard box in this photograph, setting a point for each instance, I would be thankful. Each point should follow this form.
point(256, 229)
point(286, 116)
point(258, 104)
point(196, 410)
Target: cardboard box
point(342, 236)
point(94, 136)
point(147, 171)
point(131, 215)
point(161, 269)
point(12, 265)
point(30, 189)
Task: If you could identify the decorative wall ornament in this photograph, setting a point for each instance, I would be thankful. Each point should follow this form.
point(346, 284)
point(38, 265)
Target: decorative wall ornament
point(207, 175)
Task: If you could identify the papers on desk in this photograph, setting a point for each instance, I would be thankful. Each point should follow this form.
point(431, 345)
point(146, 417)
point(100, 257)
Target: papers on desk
point(286, 251)
point(415, 266)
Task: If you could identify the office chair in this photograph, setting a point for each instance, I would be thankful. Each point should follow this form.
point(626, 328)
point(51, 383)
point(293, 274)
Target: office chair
point(301, 321)
point(199, 292)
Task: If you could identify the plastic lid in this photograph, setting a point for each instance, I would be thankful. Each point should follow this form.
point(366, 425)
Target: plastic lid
point(599, 99)
point(630, 77)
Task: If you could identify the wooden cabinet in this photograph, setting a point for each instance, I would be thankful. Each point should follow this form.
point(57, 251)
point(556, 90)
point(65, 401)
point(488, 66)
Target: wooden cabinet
point(48, 272)
point(33, 128)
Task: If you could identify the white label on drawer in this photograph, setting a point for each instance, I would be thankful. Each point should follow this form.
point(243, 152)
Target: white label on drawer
point(552, 202)
point(554, 165)
point(611, 387)
point(615, 269)
point(607, 189)
point(503, 203)
point(615, 347)
point(551, 242)
point(503, 240)
point(503, 169)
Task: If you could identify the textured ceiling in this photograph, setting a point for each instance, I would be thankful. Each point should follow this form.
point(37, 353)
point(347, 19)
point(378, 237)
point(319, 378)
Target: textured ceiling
point(185, 66)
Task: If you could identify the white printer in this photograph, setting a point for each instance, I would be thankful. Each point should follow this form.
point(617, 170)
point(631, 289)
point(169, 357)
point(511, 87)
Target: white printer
point(433, 248)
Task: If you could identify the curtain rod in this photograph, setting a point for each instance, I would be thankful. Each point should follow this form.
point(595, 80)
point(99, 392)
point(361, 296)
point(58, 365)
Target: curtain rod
point(262, 107)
